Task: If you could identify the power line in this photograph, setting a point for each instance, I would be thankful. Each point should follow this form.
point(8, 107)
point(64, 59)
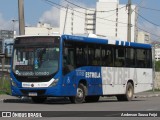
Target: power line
point(51, 3)
point(147, 20)
point(90, 9)
point(82, 12)
point(78, 5)
point(150, 8)
point(144, 17)
point(61, 6)
point(148, 32)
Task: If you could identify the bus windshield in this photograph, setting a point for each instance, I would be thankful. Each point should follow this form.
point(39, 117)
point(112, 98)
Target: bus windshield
point(35, 60)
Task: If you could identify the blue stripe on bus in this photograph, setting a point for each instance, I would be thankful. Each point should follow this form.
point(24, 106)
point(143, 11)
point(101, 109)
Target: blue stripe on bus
point(85, 39)
point(117, 42)
point(140, 45)
point(122, 43)
point(127, 44)
point(104, 41)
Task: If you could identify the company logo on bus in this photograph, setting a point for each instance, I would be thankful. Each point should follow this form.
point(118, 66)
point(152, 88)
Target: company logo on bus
point(92, 75)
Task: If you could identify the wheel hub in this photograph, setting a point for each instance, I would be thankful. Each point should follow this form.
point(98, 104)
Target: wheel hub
point(79, 93)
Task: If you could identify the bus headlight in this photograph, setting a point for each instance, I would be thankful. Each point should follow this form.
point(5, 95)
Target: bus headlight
point(54, 83)
point(13, 83)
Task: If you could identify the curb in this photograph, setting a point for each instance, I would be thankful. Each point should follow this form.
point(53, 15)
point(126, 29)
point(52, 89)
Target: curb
point(146, 96)
point(28, 100)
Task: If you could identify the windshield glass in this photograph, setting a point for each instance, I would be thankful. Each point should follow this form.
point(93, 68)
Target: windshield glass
point(36, 60)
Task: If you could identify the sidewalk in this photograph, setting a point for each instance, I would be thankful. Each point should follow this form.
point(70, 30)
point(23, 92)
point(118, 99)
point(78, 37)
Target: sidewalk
point(147, 94)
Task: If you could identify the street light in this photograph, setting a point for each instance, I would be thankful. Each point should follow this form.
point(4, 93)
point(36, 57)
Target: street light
point(14, 21)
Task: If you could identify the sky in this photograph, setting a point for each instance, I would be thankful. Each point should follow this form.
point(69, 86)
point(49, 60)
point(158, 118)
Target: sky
point(39, 10)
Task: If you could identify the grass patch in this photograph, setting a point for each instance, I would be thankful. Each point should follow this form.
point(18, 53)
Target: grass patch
point(155, 90)
point(5, 85)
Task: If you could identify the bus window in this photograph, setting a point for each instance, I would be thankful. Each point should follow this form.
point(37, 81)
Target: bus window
point(94, 55)
point(148, 58)
point(107, 56)
point(81, 55)
point(130, 57)
point(140, 58)
point(119, 60)
point(97, 56)
point(91, 59)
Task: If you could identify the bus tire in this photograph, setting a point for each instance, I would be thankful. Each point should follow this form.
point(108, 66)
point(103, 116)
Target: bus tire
point(39, 99)
point(80, 95)
point(92, 98)
point(129, 92)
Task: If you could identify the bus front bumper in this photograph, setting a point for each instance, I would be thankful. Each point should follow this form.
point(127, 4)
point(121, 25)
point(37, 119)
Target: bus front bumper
point(50, 91)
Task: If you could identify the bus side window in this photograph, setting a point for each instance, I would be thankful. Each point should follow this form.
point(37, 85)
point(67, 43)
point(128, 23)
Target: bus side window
point(91, 59)
point(148, 58)
point(119, 60)
point(130, 57)
point(81, 55)
point(140, 58)
point(107, 57)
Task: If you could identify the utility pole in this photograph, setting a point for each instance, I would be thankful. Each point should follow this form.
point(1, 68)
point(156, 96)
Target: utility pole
point(129, 21)
point(21, 17)
point(65, 20)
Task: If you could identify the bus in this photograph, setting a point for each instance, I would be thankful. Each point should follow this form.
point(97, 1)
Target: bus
point(80, 68)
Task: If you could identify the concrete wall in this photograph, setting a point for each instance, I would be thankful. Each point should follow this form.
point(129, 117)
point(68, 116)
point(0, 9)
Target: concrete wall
point(157, 80)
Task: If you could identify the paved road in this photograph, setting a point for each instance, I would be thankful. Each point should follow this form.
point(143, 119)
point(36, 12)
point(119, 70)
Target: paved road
point(105, 104)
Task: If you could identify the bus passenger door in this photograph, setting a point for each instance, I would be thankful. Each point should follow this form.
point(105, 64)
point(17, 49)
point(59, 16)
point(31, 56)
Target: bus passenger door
point(68, 67)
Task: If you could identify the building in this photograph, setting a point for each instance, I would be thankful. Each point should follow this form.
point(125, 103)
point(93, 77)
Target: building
point(6, 34)
point(156, 46)
point(157, 54)
point(143, 37)
point(113, 23)
point(90, 21)
point(108, 19)
point(78, 21)
point(41, 29)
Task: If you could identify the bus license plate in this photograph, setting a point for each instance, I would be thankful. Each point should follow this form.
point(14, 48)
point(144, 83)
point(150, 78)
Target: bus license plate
point(32, 94)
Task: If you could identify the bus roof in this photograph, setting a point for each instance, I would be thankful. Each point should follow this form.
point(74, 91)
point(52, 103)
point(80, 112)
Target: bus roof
point(106, 41)
point(95, 40)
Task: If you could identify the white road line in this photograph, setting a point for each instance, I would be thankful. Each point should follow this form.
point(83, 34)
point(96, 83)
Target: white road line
point(152, 109)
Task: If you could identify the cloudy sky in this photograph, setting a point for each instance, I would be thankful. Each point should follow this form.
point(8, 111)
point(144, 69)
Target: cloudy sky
point(40, 10)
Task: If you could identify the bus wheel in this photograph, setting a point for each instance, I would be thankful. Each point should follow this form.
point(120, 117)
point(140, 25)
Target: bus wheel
point(92, 98)
point(80, 96)
point(39, 99)
point(129, 92)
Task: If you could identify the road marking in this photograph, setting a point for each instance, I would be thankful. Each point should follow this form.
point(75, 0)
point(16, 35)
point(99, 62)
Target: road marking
point(152, 109)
